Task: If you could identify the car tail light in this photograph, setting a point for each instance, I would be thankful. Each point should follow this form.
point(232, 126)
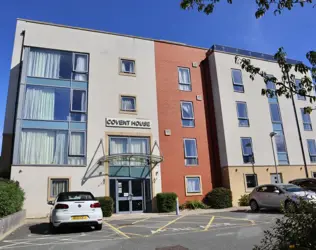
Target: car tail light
point(95, 205)
point(61, 206)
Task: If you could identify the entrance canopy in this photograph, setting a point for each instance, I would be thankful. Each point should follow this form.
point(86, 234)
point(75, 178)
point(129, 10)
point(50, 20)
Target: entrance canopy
point(131, 159)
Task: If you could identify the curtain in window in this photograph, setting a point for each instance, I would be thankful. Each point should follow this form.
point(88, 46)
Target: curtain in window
point(58, 186)
point(61, 153)
point(128, 104)
point(39, 103)
point(77, 143)
point(118, 146)
point(127, 66)
point(81, 65)
point(184, 79)
point(247, 146)
point(187, 110)
point(138, 146)
point(37, 147)
point(193, 185)
point(44, 63)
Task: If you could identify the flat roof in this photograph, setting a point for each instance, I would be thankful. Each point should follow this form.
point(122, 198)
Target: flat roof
point(214, 48)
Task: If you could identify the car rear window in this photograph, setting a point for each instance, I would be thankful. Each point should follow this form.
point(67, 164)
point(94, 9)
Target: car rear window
point(75, 196)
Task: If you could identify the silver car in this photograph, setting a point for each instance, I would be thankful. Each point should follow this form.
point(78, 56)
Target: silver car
point(274, 195)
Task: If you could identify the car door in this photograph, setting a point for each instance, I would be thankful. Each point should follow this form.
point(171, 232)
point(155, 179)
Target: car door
point(275, 197)
point(261, 196)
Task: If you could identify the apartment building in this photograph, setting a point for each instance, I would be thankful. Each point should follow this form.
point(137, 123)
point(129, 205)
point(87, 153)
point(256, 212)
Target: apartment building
point(250, 126)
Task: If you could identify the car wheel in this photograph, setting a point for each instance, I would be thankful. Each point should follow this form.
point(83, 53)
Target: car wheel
point(290, 206)
point(254, 206)
point(98, 227)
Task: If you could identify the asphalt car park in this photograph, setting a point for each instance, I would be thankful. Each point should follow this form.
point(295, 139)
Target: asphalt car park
point(148, 233)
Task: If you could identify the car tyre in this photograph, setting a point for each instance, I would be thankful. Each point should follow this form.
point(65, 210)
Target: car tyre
point(98, 227)
point(254, 206)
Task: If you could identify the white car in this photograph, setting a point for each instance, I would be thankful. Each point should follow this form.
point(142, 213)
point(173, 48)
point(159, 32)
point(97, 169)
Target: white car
point(75, 208)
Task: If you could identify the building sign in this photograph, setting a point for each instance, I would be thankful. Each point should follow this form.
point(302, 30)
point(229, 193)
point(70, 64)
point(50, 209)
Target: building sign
point(127, 123)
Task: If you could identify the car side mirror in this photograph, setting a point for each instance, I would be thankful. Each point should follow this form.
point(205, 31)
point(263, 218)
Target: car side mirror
point(50, 203)
point(277, 191)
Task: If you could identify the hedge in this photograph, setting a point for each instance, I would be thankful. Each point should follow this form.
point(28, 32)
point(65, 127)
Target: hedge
point(219, 198)
point(244, 200)
point(11, 197)
point(106, 205)
point(166, 202)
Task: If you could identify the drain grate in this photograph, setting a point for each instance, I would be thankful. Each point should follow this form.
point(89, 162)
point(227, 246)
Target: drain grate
point(178, 247)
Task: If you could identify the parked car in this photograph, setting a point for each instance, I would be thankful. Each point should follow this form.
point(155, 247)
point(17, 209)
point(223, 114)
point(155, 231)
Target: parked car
point(305, 183)
point(75, 208)
point(274, 195)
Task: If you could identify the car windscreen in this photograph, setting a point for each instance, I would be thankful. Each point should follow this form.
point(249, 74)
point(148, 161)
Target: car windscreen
point(292, 188)
point(75, 196)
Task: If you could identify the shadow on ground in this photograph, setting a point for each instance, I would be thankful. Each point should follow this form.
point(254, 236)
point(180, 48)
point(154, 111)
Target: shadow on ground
point(262, 211)
point(44, 229)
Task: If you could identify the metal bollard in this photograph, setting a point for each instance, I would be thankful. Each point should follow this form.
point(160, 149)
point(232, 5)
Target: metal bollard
point(177, 207)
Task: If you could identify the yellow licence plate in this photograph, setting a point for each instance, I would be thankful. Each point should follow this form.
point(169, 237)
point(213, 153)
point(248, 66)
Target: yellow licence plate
point(79, 217)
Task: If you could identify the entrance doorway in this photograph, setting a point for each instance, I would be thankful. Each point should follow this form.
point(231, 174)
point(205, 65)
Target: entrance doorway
point(130, 195)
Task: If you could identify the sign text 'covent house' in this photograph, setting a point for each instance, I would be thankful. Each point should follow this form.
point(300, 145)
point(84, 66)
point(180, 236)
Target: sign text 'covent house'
point(127, 123)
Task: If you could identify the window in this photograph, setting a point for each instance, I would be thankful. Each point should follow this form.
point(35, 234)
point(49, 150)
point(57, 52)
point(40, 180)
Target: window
point(78, 102)
point(128, 66)
point(306, 121)
point(77, 143)
point(57, 186)
point(314, 174)
point(262, 189)
point(251, 181)
point(190, 152)
point(275, 112)
point(55, 64)
point(312, 150)
point(247, 153)
point(237, 80)
point(128, 103)
point(193, 185)
point(187, 114)
point(49, 147)
point(242, 114)
point(184, 79)
point(298, 87)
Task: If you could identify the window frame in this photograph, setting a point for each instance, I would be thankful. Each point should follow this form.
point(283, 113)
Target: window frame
point(84, 143)
point(71, 101)
point(190, 157)
point(242, 150)
point(249, 189)
point(186, 177)
point(313, 174)
point(74, 61)
point(50, 185)
point(128, 138)
point(242, 118)
point(299, 97)
point(237, 84)
point(271, 114)
point(121, 59)
point(306, 123)
point(182, 116)
point(187, 84)
point(309, 151)
point(128, 111)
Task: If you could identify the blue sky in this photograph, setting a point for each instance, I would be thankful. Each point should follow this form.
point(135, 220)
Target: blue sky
point(231, 25)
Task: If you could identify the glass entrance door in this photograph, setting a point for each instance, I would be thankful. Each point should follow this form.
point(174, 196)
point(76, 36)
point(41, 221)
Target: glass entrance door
point(130, 195)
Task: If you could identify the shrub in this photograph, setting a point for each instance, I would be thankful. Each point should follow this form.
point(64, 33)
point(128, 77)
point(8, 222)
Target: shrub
point(11, 197)
point(244, 200)
point(166, 202)
point(106, 205)
point(219, 198)
point(194, 205)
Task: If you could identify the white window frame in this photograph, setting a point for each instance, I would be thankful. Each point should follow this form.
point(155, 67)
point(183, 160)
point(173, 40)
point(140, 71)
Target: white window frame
point(190, 157)
point(71, 101)
point(182, 116)
point(84, 143)
point(50, 186)
point(126, 72)
point(186, 185)
point(242, 118)
point(242, 149)
point(249, 189)
point(74, 61)
point(184, 83)
point(309, 152)
point(128, 110)
point(306, 123)
point(237, 84)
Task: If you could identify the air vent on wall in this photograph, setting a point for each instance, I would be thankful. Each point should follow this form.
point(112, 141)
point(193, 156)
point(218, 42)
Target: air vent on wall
point(199, 98)
point(195, 65)
point(167, 132)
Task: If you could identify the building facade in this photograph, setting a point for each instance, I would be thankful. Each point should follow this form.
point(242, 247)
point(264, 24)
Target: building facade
point(250, 127)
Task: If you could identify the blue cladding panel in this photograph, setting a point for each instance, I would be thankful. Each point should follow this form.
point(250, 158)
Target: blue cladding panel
point(44, 124)
point(50, 82)
point(78, 126)
point(79, 85)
